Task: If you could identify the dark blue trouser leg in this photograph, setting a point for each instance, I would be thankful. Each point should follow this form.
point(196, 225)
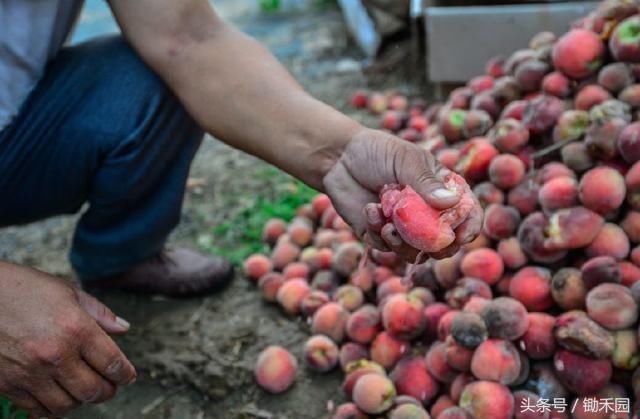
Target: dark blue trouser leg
point(101, 128)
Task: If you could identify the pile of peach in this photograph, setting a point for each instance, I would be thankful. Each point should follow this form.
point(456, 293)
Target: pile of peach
point(543, 305)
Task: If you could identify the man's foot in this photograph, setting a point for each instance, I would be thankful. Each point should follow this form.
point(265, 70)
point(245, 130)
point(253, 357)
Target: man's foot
point(173, 272)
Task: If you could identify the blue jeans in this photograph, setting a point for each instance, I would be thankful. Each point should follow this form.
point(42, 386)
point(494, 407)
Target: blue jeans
point(101, 128)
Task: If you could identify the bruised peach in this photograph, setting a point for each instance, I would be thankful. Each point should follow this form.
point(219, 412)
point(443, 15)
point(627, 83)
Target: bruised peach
point(524, 197)
point(269, 284)
point(275, 369)
point(475, 157)
point(483, 264)
point(374, 393)
point(324, 280)
point(615, 77)
point(571, 125)
point(387, 350)
point(284, 252)
point(505, 90)
point(256, 266)
point(506, 171)
point(506, 318)
point(436, 361)
point(364, 324)
point(403, 316)
point(487, 399)
point(511, 253)
point(567, 289)
point(610, 241)
point(612, 306)
point(466, 288)
point(291, 294)
point(487, 193)
point(530, 74)
point(296, 270)
point(625, 352)
point(349, 411)
point(532, 287)
point(580, 374)
point(330, 320)
point(411, 378)
point(500, 221)
point(420, 225)
point(346, 258)
point(352, 352)
point(629, 143)
point(486, 102)
point(599, 270)
point(578, 53)
point(496, 360)
point(532, 235)
point(538, 341)
point(572, 228)
point(542, 113)
point(349, 297)
point(575, 331)
point(623, 42)
point(321, 353)
point(312, 302)
point(509, 135)
point(476, 123)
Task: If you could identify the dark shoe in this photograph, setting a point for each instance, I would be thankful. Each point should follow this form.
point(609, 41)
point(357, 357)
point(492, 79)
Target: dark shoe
point(173, 272)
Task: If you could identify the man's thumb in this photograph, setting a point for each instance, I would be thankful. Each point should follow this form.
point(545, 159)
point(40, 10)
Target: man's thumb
point(434, 192)
point(109, 322)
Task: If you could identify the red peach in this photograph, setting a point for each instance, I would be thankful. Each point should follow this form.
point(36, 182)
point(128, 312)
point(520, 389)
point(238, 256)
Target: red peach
point(487, 193)
point(506, 318)
point(323, 239)
point(423, 294)
point(445, 323)
point(346, 258)
point(511, 253)
point(532, 235)
point(441, 404)
point(506, 171)
point(599, 270)
point(296, 270)
point(480, 83)
point(514, 110)
point(328, 216)
point(500, 221)
point(589, 96)
point(538, 341)
point(476, 123)
point(392, 286)
point(321, 354)
point(398, 102)
point(567, 289)
point(273, 229)
point(632, 181)
point(448, 157)
point(349, 411)
point(392, 121)
point(320, 203)
point(377, 103)
point(312, 302)
point(532, 287)
point(556, 84)
point(256, 266)
point(403, 316)
point(631, 225)
point(496, 360)
point(460, 98)
point(357, 369)
point(612, 306)
point(364, 324)
point(466, 288)
point(330, 320)
point(487, 102)
point(381, 274)
point(436, 361)
point(580, 374)
point(419, 123)
point(349, 297)
point(300, 231)
point(457, 356)
point(362, 279)
point(542, 113)
point(553, 170)
point(631, 95)
point(576, 156)
point(571, 228)
point(374, 393)
point(487, 399)
point(509, 135)
point(630, 273)
point(495, 67)
point(433, 314)
point(387, 350)
point(284, 252)
point(610, 241)
point(291, 294)
point(269, 285)
point(411, 378)
point(475, 157)
point(524, 197)
point(575, 331)
point(476, 304)
point(578, 53)
point(352, 352)
point(484, 264)
point(275, 369)
point(359, 99)
point(458, 385)
point(629, 143)
point(624, 40)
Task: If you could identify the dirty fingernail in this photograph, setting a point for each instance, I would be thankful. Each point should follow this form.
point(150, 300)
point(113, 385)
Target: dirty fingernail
point(122, 323)
point(443, 193)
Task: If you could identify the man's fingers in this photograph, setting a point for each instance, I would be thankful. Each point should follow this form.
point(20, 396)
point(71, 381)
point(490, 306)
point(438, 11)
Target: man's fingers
point(104, 356)
point(448, 251)
point(83, 383)
point(348, 197)
point(471, 227)
point(374, 217)
point(102, 314)
point(54, 398)
point(374, 240)
point(391, 236)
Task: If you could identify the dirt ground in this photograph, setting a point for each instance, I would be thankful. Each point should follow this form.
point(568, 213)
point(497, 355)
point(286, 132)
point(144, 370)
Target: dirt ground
point(195, 357)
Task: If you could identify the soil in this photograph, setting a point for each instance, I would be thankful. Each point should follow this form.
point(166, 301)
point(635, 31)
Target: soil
point(195, 357)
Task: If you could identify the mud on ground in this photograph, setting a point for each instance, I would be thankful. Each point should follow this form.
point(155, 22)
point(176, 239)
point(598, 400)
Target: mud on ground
point(195, 357)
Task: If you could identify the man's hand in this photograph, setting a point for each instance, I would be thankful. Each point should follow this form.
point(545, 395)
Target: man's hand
point(375, 158)
point(54, 349)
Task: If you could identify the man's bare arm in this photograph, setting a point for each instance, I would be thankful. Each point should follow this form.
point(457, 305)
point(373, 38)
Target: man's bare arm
point(234, 88)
